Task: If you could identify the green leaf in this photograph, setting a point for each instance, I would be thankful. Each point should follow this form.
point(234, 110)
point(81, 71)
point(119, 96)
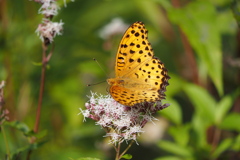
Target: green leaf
point(223, 146)
point(236, 145)
point(33, 146)
point(180, 134)
point(38, 135)
point(203, 102)
point(200, 127)
point(19, 125)
point(152, 11)
point(222, 108)
point(173, 112)
point(37, 63)
point(176, 84)
point(165, 4)
point(175, 148)
point(231, 122)
point(169, 158)
point(127, 156)
point(236, 11)
point(25, 129)
point(224, 105)
point(87, 158)
point(203, 35)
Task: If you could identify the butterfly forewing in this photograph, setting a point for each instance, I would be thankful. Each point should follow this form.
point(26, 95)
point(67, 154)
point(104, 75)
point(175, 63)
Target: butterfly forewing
point(140, 77)
point(133, 50)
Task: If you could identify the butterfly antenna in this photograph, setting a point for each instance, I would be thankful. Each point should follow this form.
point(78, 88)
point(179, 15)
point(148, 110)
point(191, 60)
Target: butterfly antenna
point(102, 70)
point(95, 83)
point(100, 66)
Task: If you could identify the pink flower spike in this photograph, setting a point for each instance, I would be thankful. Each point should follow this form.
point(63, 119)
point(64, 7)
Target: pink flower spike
point(48, 30)
point(49, 8)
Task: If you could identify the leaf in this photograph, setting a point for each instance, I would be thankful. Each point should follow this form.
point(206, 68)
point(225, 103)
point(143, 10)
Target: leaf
point(203, 35)
point(19, 125)
point(38, 135)
point(173, 112)
point(127, 156)
point(231, 122)
point(175, 148)
point(223, 146)
point(224, 105)
point(203, 102)
point(236, 11)
point(169, 158)
point(37, 63)
point(200, 127)
point(236, 145)
point(176, 85)
point(87, 158)
point(25, 129)
point(151, 10)
point(180, 134)
point(222, 108)
point(32, 146)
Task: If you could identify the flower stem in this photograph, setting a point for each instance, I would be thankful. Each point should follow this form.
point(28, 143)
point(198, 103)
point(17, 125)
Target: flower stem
point(44, 64)
point(118, 151)
point(126, 149)
point(45, 60)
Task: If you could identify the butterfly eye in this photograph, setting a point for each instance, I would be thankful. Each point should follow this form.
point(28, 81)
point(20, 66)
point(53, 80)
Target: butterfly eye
point(120, 81)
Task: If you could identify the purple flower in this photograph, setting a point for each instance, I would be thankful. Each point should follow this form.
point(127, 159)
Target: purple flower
point(122, 123)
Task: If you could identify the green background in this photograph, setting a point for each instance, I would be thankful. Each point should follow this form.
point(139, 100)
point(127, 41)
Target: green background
point(198, 41)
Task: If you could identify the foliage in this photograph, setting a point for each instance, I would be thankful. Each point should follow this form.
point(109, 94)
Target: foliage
point(196, 40)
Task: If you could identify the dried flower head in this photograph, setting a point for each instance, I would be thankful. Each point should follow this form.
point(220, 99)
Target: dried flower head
point(121, 123)
point(3, 112)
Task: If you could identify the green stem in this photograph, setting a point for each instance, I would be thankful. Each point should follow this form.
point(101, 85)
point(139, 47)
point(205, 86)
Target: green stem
point(118, 151)
point(126, 149)
point(6, 142)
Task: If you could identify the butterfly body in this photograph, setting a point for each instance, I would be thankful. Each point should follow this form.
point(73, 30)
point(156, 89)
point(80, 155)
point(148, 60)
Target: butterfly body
point(139, 76)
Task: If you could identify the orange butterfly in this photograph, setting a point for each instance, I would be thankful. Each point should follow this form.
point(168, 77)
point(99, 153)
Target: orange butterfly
point(140, 77)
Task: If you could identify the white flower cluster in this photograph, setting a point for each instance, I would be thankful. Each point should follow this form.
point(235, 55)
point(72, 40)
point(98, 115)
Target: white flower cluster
point(47, 30)
point(49, 8)
point(116, 26)
point(119, 121)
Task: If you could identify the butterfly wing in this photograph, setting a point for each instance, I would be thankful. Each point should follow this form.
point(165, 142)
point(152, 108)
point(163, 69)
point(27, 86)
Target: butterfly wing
point(140, 77)
point(130, 97)
point(134, 49)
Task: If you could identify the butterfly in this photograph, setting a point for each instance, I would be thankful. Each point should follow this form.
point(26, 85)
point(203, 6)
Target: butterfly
point(139, 76)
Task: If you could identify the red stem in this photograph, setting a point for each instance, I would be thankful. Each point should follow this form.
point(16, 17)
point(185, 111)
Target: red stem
point(44, 63)
point(38, 114)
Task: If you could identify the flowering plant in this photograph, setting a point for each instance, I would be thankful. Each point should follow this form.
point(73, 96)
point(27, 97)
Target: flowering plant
point(47, 30)
point(121, 123)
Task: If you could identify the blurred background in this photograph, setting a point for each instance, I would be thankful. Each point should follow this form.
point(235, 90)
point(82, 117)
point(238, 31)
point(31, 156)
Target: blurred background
point(198, 41)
